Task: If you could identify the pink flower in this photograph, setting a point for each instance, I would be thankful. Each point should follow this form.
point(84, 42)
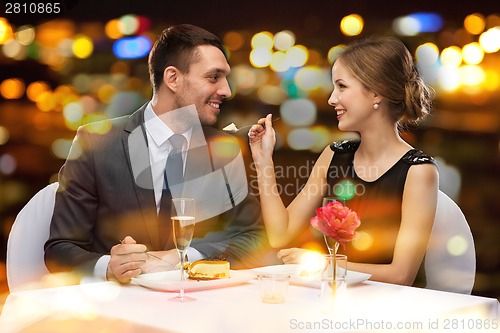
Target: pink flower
point(336, 221)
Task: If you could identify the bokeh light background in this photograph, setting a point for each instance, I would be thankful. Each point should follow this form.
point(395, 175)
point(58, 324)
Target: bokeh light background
point(91, 64)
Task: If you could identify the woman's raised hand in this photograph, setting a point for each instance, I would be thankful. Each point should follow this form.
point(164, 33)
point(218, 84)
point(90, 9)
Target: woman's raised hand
point(262, 139)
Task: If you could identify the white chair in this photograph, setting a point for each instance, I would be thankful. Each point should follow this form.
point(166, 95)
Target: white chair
point(25, 252)
point(450, 261)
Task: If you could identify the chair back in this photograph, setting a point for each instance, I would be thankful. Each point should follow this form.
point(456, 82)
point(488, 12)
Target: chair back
point(25, 246)
point(450, 261)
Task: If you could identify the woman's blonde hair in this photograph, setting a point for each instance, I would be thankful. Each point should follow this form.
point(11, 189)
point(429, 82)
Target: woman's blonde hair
point(385, 66)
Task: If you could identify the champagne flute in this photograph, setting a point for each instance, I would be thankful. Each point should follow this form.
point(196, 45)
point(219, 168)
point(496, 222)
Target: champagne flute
point(182, 216)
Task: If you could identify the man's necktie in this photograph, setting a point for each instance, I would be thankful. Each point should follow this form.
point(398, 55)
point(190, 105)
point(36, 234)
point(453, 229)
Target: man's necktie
point(173, 178)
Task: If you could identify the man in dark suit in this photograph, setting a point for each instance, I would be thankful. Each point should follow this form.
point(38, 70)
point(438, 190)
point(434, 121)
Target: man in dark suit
point(108, 209)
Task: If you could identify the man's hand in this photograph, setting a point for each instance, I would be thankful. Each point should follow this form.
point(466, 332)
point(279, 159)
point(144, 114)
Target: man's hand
point(159, 261)
point(126, 260)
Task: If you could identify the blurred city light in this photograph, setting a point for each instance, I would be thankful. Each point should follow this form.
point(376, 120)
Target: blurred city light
point(89, 104)
point(406, 26)
point(457, 245)
point(298, 112)
point(82, 82)
point(284, 40)
point(493, 20)
point(34, 89)
point(64, 94)
point(472, 53)
point(270, 94)
point(308, 78)
point(413, 24)
point(296, 56)
point(51, 33)
point(451, 56)
point(13, 49)
point(128, 24)
point(233, 40)
point(262, 39)
point(60, 148)
point(334, 53)
point(301, 139)
point(73, 112)
point(12, 88)
point(363, 241)
point(279, 62)
point(428, 22)
point(474, 23)
point(132, 47)
point(345, 189)
point(244, 78)
point(106, 92)
point(5, 31)
point(322, 135)
point(492, 80)
point(4, 135)
point(351, 25)
point(471, 75)
point(98, 123)
point(46, 101)
point(144, 24)
point(490, 40)
point(112, 29)
point(65, 47)
point(315, 58)
point(427, 54)
point(449, 78)
point(8, 164)
point(261, 57)
point(83, 47)
point(25, 35)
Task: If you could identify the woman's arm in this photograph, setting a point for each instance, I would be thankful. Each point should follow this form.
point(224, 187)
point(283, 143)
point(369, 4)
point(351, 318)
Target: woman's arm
point(284, 224)
point(417, 218)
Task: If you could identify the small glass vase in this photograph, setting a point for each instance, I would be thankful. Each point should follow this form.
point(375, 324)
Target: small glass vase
point(333, 281)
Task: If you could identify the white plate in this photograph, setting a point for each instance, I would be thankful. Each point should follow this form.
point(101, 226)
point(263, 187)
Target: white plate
point(170, 281)
point(313, 281)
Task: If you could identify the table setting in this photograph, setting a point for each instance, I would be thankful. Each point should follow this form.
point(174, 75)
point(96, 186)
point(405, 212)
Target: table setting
point(321, 294)
point(239, 307)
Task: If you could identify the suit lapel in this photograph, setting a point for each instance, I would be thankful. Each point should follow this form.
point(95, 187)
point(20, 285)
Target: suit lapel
point(136, 149)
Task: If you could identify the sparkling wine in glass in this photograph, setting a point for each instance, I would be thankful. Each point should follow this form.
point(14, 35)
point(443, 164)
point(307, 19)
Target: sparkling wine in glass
point(182, 216)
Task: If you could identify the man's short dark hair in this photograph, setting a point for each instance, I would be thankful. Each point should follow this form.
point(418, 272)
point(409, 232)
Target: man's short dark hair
point(176, 47)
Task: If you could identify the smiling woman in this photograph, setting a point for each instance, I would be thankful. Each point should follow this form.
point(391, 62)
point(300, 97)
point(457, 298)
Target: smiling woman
point(369, 101)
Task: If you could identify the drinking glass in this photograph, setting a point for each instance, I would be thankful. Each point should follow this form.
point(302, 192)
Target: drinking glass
point(182, 216)
point(333, 281)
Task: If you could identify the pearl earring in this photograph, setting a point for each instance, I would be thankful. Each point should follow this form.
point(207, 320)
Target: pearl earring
point(376, 106)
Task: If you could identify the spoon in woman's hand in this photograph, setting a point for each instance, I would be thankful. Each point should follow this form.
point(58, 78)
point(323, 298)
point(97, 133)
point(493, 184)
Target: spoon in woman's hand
point(231, 128)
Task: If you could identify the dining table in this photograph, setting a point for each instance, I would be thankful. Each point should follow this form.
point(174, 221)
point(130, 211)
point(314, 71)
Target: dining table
point(364, 306)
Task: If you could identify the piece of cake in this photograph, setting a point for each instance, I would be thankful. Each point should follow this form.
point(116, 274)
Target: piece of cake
point(231, 128)
point(209, 269)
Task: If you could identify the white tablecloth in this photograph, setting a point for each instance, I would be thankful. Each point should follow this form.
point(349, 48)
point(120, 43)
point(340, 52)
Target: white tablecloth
point(368, 306)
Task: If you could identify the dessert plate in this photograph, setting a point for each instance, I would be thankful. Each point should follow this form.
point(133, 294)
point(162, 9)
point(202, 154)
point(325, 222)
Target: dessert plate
point(312, 281)
point(170, 281)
